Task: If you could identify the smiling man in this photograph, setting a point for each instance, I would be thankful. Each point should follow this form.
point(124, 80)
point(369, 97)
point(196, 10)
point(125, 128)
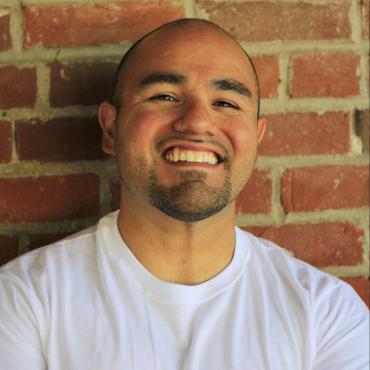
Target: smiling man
point(169, 282)
point(184, 128)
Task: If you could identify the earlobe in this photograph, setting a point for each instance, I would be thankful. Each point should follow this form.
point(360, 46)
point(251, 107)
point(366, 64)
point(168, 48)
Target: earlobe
point(261, 128)
point(107, 121)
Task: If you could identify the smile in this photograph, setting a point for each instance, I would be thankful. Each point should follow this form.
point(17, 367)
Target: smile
point(177, 154)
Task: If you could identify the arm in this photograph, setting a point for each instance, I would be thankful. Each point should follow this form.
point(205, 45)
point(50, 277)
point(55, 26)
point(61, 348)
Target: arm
point(342, 327)
point(20, 343)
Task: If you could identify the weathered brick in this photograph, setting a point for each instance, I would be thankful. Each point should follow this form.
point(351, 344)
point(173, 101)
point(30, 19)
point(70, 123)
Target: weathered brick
point(5, 39)
point(39, 240)
point(59, 139)
point(306, 134)
point(270, 21)
point(17, 87)
point(267, 68)
point(5, 141)
point(73, 25)
point(321, 245)
point(361, 286)
point(256, 196)
point(49, 198)
point(331, 75)
point(325, 187)
point(362, 128)
point(8, 248)
point(365, 17)
point(84, 83)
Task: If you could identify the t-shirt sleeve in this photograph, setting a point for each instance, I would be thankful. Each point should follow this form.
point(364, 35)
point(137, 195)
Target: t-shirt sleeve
point(342, 327)
point(20, 343)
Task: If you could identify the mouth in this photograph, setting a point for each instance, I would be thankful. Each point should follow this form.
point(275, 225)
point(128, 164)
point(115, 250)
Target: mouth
point(178, 154)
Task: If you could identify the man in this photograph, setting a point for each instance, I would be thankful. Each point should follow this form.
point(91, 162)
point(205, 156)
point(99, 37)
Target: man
point(169, 282)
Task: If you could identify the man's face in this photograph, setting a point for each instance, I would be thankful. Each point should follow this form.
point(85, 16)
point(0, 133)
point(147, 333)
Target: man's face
point(186, 133)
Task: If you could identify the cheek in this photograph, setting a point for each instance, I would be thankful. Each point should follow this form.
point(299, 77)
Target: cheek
point(138, 131)
point(141, 122)
point(243, 137)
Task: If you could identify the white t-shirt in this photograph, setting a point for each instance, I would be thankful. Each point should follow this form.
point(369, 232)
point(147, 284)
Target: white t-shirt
point(86, 303)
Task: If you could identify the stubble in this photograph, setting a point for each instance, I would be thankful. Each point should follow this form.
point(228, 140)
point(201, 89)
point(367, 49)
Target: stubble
point(192, 200)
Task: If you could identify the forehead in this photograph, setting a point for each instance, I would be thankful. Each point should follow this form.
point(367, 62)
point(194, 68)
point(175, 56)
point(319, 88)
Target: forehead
point(199, 50)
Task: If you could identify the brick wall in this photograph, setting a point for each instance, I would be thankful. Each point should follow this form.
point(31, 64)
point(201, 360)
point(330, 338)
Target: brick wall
point(309, 192)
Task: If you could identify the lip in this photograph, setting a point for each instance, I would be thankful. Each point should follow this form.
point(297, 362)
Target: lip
point(195, 165)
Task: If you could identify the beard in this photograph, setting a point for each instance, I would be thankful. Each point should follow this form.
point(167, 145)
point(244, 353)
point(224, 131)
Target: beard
point(192, 200)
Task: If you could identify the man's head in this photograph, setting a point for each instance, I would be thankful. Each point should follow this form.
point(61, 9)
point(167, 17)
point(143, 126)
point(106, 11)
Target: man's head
point(120, 73)
point(183, 123)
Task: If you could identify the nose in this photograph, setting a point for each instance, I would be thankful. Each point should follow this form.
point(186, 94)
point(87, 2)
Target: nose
point(194, 118)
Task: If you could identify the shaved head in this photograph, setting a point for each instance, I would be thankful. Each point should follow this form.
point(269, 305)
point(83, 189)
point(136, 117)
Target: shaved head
point(185, 88)
point(123, 67)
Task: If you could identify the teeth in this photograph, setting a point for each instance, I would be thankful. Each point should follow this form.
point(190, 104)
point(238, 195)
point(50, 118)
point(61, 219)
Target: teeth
point(198, 157)
point(177, 154)
point(183, 156)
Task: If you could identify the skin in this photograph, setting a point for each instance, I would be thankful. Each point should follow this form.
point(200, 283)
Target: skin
point(194, 114)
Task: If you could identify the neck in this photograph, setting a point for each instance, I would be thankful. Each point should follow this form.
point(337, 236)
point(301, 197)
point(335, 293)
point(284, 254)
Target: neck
point(176, 251)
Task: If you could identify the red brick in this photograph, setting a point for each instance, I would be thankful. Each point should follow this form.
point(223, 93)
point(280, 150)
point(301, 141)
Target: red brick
point(331, 75)
point(321, 245)
point(49, 198)
point(59, 139)
point(361, 286)
point(8, 248)
point(70, 25)
point(365, 17)
point(362, 128)
point(115, 188)
point(270, 21)
point(256, 196)
point(326, 187)
point(306, 134)
point(40, 240)
point(86, 83)
point(17, 87)
point(5, 40)
point(267, 68)
point(5, 142)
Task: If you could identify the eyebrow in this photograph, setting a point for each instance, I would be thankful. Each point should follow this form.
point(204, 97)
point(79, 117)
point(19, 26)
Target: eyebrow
point(178, 79)
point(163, 77)
point(231, 85)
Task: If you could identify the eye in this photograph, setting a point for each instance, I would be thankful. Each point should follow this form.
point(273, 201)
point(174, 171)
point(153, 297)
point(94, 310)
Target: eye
point(225, 104)
point(165, 97)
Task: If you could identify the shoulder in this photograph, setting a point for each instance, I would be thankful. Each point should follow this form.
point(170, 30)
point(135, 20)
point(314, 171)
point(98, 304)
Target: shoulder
point(280, 268)
point(51, 256)
point(335, 314)
point(72, 251)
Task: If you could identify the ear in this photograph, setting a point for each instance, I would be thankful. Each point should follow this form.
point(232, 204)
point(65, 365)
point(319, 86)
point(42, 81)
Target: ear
point(107, 121)
point(261, 128)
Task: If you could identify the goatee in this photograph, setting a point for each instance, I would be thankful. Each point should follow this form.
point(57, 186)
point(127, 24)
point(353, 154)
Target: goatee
point(192, 200)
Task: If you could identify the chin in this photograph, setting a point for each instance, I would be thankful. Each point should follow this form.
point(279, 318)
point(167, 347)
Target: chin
point(190, 201)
